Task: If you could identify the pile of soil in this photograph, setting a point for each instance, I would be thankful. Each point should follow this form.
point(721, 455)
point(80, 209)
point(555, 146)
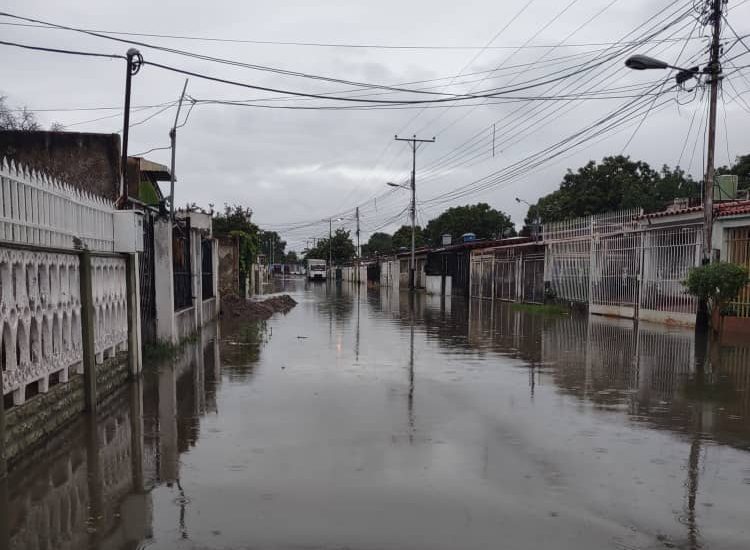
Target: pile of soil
point(242, 309)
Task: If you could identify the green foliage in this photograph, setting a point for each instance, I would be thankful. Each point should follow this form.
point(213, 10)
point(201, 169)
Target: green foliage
point(402, 238)
point(614, 184)
point(272, 245)
point(236, 221)
point(342, 248)
point(717, 283)
point(378, 243)
point(291, 257)
point(480, 219)
point(147, 193)
point(161, 350)
point(741, 168)
point(234, 218)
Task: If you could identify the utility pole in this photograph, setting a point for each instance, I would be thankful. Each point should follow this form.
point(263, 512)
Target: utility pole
point(133, 62)
point(414, 143)
point(330, 243)
point(714, 76)
point(358, 256)
point(173, 144)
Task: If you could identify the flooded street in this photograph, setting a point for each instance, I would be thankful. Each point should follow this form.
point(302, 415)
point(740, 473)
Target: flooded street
point(368, 419)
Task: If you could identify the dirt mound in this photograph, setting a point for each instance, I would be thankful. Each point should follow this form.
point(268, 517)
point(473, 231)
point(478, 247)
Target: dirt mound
point(236, 307)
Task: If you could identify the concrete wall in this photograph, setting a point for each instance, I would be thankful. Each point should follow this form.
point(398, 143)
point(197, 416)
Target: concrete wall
point(229, 266)
point(44, 414)
point(434, 285)
point(164, 282)
point(210, 310)
point(184, 323)
point(87, 161)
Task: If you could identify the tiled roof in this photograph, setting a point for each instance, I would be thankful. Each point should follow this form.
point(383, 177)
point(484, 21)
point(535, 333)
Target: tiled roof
point(733, 208)
point(728, 208)
point(678, 212)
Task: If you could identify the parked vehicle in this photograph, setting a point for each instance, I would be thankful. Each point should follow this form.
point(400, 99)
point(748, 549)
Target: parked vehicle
point(316, 270)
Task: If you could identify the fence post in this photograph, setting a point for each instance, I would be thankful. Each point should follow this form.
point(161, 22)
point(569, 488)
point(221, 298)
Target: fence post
point(87, 331)
point(135, 355)
point(3, 462)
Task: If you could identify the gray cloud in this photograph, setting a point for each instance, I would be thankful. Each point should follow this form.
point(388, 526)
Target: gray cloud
point(301, 165)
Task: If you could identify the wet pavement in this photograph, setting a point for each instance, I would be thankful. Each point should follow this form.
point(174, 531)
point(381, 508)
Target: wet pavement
point(368, 419)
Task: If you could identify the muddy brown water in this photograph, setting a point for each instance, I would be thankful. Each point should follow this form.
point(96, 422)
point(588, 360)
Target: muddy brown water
point(370, 419)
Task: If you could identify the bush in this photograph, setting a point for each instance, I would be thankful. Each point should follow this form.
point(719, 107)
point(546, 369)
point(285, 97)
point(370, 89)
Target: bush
point(717, 284)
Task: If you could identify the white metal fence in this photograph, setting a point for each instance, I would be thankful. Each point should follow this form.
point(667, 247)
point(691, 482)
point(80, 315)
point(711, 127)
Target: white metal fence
point(738, 248)
point(668, 255)
point(38, 210)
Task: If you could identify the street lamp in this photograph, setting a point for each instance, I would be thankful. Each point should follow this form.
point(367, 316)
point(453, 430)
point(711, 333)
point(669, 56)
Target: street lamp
point(412, 260)
point(645, 63)
point(537, 220)
point(401, 185)
point(714, 75)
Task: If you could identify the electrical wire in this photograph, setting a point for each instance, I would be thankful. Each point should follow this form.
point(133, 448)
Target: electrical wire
point(58, 50)
point(312, 44)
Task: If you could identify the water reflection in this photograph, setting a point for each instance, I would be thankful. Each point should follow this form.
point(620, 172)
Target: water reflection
point(364, 404)
point(90, 486)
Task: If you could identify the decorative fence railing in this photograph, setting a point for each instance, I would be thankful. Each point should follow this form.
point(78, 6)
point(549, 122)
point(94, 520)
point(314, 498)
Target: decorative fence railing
point(38, 210)
point(738, 248)
point(40, 303)
point(508, 274)
point(615, 263)
point(668, 255)
point(607, 223)
point(40, 317)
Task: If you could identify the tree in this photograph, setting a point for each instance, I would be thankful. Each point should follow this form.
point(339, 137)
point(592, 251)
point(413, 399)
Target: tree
point(378, 243)
point(236, 221)
point(481, 219)
point(291, 257)
point(272, 245)
point(402, 237)
point(16, 119)
point(614, 184)
point(342, 248)
point(740, 168)
point(717, 284)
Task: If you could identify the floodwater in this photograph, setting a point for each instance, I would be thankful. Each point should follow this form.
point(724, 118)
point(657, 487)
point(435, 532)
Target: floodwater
point(368, 419)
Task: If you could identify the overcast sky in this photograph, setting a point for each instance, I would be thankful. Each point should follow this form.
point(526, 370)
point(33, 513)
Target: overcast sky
point(298, 165)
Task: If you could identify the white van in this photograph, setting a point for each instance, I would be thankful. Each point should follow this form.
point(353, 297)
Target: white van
point(316, 270)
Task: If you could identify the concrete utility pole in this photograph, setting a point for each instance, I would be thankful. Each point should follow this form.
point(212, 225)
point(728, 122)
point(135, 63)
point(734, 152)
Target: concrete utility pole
point(330, 243)
point(358, 256)
point(134, 60)
point(173, 144)
point(714, 78)
point(414, 143)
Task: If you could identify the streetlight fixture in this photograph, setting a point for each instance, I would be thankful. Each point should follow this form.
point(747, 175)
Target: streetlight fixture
point(412, 261)
point(713, 76)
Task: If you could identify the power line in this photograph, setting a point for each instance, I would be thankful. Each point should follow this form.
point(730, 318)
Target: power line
point(57, 50)
point(310, 44)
